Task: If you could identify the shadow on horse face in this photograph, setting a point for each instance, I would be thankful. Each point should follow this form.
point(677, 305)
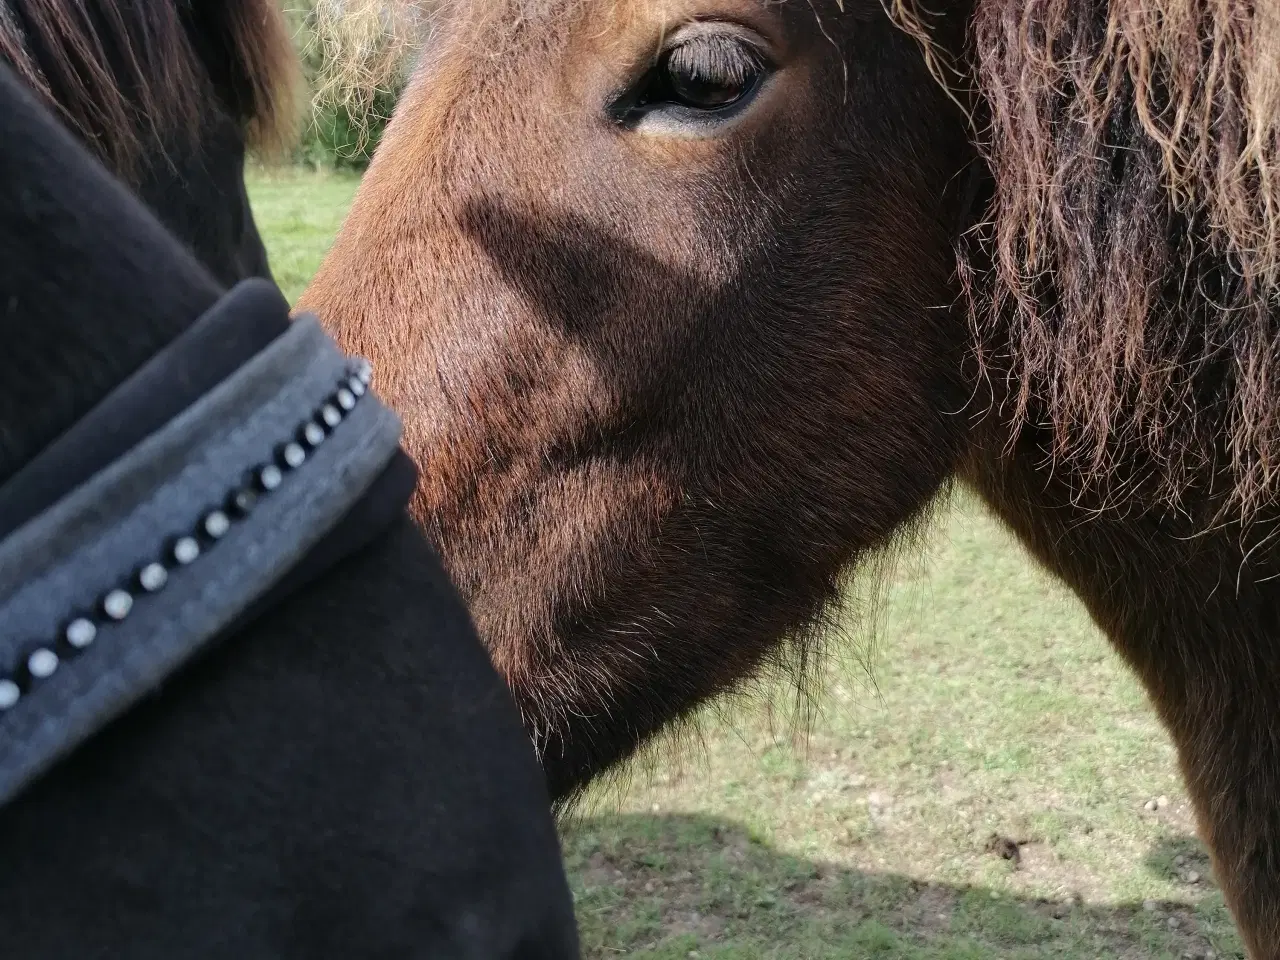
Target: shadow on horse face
point(662, 292)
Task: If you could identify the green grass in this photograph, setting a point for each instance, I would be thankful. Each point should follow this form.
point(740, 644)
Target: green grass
point(996, 709)
point(298, 213)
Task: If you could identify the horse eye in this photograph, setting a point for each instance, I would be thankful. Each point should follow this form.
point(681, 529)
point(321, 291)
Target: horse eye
point(705, 73)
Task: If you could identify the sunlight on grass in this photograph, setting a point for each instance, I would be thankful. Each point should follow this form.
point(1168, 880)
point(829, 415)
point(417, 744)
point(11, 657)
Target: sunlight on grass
point(299, 213)
point(997, 711)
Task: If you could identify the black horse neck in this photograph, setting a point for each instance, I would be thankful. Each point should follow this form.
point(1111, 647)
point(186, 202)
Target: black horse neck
point(59, 274)
point(161, 93)
point(197, 191)
point(243, 433)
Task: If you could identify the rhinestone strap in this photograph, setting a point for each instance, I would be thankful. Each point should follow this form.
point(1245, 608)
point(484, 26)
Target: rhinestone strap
point(123, 580)
point(43, 659)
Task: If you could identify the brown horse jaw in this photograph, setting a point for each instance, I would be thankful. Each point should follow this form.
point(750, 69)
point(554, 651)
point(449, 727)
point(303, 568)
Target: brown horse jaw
point(634, 536)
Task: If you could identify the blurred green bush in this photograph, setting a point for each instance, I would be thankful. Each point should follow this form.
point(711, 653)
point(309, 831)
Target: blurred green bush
point(342, 133)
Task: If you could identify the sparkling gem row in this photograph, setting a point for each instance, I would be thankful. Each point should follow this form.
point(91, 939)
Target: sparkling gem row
point(43, 660)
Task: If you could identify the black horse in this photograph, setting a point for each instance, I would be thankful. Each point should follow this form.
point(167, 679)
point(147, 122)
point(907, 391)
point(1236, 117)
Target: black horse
point(168, 94)
point(343, 773)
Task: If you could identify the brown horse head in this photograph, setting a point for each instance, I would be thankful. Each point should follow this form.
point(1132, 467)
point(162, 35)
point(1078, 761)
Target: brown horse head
point(664, 287)
point(662, 291)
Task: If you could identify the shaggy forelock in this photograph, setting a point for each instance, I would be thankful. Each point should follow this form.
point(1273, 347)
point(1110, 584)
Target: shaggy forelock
point(366, 46)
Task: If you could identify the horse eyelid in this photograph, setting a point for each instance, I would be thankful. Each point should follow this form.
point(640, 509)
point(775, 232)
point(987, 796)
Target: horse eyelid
point(749, 66)
point(731, 59)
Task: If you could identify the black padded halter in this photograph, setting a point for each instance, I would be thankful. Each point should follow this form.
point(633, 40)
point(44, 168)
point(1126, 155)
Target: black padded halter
point(241, 462)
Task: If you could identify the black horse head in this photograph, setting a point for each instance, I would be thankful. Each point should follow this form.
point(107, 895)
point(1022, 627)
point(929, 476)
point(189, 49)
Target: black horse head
point(169, 95)
point(342, 773)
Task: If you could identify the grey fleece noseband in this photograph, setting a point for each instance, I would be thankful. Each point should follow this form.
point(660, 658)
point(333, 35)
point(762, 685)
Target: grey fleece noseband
point(123, 580)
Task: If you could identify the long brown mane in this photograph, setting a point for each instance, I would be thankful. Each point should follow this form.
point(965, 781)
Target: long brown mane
point(1127, 280)
point(124, 74)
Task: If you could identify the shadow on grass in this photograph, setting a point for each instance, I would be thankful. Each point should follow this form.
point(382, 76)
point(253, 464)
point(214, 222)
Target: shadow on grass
point(666, 887)
point(1178, 857)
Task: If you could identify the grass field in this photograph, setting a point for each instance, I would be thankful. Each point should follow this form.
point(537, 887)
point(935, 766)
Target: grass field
point(997, 713)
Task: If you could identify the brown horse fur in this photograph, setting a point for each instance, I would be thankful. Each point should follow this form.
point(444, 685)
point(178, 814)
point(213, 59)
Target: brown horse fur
point(667, 389)
point(73, 55)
